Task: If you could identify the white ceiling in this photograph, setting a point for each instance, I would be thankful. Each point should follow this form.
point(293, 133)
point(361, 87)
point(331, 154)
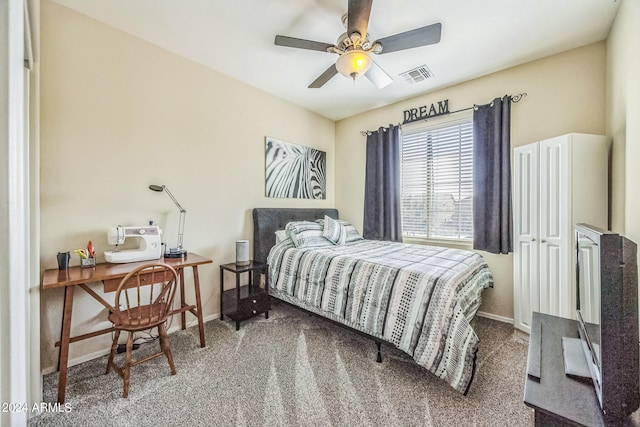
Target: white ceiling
point(236, 38)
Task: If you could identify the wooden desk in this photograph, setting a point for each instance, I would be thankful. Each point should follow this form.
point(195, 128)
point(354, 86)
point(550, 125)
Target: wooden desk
point(109, 273)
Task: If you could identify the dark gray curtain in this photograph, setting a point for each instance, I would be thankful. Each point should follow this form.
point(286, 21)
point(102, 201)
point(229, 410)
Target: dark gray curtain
point(382, 186)
point(492, 223)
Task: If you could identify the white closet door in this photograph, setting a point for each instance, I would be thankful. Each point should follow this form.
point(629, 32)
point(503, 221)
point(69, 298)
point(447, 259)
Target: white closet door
point(525, 211)
point(555, 223)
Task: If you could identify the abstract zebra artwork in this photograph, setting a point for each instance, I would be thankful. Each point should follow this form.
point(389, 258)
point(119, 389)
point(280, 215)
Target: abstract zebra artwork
point(295, 171)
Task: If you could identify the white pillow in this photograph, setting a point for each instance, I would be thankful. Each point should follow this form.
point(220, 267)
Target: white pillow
point(280, 236)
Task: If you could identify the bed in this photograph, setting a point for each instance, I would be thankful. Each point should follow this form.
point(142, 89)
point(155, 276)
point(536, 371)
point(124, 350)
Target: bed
point(418, 298)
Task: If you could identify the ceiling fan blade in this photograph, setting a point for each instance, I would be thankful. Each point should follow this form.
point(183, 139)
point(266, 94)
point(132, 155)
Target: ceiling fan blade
point(301, 43)
point(378, 76)
point(324, 77)
point(409, 39)
point(358, 16)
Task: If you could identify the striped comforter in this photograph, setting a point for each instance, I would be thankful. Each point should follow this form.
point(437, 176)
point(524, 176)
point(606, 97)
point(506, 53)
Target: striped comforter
point(418, 298)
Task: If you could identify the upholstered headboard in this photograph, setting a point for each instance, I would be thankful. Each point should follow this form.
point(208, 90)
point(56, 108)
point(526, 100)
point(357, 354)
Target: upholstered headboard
point(267, 220)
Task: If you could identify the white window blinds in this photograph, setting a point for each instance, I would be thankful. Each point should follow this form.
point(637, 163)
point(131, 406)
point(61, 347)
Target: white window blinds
point(437, 181)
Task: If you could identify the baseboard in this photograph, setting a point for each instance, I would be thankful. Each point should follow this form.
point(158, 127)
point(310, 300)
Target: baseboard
point(104, 352)
point(495, 317)
point(521, 335)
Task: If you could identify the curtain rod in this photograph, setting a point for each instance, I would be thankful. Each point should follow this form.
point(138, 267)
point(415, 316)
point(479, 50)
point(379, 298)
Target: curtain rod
point(514, 99)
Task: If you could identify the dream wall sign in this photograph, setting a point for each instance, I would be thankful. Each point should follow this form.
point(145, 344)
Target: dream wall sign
point(425, 112)
point(295, 171)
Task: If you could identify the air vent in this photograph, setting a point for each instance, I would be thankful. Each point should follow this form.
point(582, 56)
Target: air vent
point(417, 74)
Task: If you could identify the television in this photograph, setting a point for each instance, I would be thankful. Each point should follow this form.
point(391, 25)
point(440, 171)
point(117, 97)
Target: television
point(607, 317)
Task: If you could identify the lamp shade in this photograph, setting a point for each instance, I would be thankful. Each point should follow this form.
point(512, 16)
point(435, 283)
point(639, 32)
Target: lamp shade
point(353, 63)
point(242, 252)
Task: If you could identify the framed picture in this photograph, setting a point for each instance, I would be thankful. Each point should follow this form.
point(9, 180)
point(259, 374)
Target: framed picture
point(294, 171)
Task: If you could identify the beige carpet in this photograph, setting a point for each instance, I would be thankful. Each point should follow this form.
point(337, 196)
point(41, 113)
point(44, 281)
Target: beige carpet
point(295, 370)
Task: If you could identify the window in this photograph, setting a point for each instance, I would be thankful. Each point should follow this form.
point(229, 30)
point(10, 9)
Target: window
point(437, 181)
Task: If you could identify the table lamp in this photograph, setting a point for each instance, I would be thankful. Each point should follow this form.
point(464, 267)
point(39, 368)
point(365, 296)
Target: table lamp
point(179, 251)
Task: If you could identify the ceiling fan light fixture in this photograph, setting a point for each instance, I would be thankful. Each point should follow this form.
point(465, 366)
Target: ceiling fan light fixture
point(355, 47)
point(353, 63)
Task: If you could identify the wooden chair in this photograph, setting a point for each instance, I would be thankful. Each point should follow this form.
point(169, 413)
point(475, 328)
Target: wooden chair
point(143, 301)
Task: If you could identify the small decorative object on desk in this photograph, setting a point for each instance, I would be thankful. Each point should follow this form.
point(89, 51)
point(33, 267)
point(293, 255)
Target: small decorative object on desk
point(87, 256)
point(242, 252)
point(63, 260)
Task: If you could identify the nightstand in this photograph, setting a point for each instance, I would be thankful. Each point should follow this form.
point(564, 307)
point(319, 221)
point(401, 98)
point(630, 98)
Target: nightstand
point(246, 300)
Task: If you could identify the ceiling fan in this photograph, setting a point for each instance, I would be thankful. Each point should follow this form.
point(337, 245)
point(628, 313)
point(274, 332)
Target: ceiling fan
point(355, 48)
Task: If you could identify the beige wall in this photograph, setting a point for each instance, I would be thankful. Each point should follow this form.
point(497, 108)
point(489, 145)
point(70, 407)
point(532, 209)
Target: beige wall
point(566, 93)
point(119, 114)
point(623, 118)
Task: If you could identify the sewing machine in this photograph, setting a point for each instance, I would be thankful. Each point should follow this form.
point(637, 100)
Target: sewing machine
point(149, 244)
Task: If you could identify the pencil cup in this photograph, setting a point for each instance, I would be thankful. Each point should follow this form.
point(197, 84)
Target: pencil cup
point(87, 262)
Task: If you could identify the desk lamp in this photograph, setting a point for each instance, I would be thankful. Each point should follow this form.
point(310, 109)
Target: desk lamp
point(179, 251)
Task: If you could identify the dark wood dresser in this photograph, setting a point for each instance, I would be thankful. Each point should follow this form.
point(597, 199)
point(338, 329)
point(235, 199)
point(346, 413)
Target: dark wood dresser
point(559, 400)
